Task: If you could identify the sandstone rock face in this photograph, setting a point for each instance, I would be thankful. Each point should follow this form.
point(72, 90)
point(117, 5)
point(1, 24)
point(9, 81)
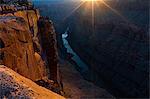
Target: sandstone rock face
point(23, 21)
point(48, 42)
point(18, 49)
point(31, 17)
point(14, 85)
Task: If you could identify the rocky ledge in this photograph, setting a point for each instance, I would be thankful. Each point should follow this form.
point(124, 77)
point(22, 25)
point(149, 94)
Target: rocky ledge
point(13, 85)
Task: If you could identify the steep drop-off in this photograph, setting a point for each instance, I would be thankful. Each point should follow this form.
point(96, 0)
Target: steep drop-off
point(115, 47)
point(22, 49)
point(47, 38)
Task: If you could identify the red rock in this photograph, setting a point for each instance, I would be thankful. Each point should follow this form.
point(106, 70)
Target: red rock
point(18, 50)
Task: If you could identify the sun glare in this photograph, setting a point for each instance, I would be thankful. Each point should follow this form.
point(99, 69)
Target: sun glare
point(92, 5)
point(91, 0)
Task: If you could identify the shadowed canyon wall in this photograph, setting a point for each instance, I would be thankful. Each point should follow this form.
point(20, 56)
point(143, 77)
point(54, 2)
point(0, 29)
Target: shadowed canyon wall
point(114, 46)
point(49, 47)
point(115, 49)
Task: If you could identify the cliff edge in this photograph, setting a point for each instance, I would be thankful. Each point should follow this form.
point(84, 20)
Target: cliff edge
point(21, 47)
point(14, 85)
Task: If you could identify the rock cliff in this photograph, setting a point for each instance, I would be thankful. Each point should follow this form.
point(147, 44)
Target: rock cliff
point(47, 38)
point(21, 48)
point(115, 49)
point(18, 51)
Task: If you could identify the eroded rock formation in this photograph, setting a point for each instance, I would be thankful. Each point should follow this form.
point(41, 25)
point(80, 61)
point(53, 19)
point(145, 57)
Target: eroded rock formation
point(20, 47)
point(18, 50)
point(47, 38)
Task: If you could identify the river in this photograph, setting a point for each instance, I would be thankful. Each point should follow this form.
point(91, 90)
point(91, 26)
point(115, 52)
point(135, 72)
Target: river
point(83, 67)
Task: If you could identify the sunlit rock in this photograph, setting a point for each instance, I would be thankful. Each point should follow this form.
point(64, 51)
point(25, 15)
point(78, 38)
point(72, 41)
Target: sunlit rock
point(14, 85)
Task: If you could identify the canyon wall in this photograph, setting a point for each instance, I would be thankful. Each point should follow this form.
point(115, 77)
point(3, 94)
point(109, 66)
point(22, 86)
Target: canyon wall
point(18, 52)
point(115, 49)
point(47, 38)
point(21, 49)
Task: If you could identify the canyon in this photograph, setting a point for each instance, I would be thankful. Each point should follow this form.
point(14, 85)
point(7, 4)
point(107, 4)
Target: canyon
point(114, 46)
point(57, 50)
